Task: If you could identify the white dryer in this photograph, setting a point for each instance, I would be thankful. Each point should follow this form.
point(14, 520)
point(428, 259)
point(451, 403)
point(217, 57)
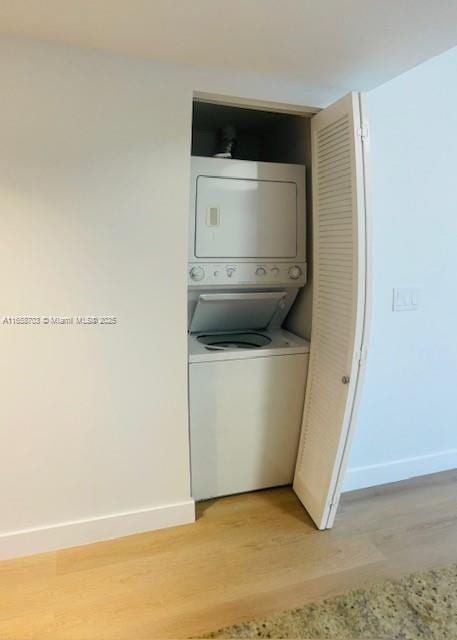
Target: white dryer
point(246, 223)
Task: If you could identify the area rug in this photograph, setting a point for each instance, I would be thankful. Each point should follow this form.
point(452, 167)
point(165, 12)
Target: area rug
point(422, 605)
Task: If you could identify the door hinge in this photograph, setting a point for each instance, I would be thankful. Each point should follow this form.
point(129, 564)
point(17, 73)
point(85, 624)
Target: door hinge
point(361, 355)
point(363, 132)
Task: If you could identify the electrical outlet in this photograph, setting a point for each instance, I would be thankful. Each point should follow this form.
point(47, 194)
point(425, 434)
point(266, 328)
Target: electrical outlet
point(405, 299)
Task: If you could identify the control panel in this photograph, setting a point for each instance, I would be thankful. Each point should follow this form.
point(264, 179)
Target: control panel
point(235, 274)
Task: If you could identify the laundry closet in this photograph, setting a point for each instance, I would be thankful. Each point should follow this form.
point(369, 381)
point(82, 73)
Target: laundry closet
point(276, 298)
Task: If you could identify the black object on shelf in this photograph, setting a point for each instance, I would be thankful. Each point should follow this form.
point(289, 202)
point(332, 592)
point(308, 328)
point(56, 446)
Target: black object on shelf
point(226, 142)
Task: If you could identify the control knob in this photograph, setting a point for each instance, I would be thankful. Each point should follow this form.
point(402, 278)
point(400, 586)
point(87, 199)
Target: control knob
point(260, 271)
point(295, 272)
point(197, 273)
point(230, 271)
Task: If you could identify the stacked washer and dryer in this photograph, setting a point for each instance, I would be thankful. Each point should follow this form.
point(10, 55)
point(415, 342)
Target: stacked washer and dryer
point(247, 375)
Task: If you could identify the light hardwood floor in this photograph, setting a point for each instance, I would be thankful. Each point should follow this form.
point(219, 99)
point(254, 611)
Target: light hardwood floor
point(247, 556)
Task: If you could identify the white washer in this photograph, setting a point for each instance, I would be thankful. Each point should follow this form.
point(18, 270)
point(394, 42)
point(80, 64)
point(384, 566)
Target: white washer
point(246, 392)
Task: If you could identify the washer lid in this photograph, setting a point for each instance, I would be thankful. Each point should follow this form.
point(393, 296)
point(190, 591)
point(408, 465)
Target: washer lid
point(234, 311)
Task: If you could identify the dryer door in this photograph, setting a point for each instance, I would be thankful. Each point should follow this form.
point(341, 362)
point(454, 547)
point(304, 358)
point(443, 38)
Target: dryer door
point(245, 218)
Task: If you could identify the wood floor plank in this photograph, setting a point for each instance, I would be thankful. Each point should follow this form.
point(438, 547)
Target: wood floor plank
point(37, 625)
point(27, 586)
point(247, 556)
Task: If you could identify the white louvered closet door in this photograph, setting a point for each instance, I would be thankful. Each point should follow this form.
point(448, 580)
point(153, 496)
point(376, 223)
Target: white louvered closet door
point(338, 306)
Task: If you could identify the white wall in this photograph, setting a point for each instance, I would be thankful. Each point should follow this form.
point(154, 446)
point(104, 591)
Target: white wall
point(94, 161)
point(93, 172)
point(408, 418)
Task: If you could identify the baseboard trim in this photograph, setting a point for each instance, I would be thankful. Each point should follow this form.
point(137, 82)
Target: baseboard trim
point(395, 470)
point(70, 534)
